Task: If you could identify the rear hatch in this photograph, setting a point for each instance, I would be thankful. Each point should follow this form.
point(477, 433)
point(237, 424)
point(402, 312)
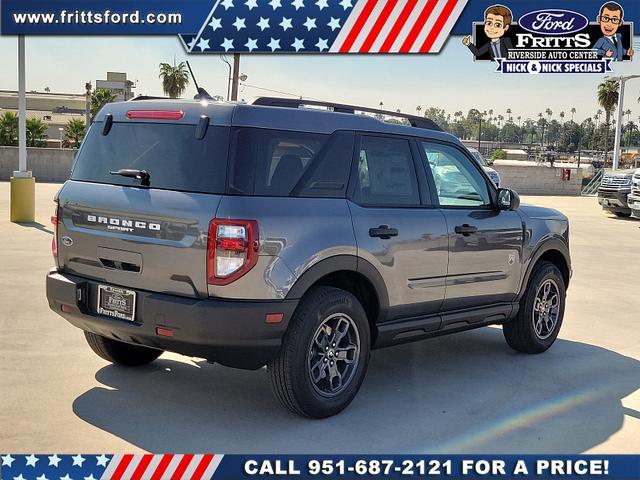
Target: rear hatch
point(130, 232)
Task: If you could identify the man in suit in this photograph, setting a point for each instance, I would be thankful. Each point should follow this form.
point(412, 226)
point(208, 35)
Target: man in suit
point(610, 45)
point(496, 23)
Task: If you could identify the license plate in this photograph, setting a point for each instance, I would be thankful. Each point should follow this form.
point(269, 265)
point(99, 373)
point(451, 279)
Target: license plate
point(116, 302)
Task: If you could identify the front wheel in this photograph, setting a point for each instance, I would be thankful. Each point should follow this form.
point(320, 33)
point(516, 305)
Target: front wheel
point(541, 312)
point(324, 355)
point(622, 214)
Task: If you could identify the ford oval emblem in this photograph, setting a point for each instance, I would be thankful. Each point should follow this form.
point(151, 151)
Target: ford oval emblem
point(67, 241)
point(553, 22)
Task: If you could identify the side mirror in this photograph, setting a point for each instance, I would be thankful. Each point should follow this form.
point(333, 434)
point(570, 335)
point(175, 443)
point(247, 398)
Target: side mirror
point(508, 199)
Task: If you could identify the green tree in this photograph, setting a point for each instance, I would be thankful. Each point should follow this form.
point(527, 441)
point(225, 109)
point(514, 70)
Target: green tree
point(74, 131)
point(499, 154)
point(9, 129)
point(36, 132)
point(608, 99)
point(174, 78)
point(99, 98)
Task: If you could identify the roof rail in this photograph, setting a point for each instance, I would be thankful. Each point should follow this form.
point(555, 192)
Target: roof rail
point(146, 97)
point(414, 121)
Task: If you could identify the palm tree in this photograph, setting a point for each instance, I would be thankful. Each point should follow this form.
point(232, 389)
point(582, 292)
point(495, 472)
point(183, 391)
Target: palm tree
point(99, 98)
point(549, 113)
point(174, 78)
point(75, 130)
point(608, 99)
point(598, 115)
point(419, 109)
point(9, 129)
point(628, 114)
point(509, 113)
point(36, 132)
point(381, 104)
point(573, 112)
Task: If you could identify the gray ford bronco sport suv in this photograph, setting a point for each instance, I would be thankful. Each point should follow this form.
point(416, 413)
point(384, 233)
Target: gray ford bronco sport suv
point(293, 237)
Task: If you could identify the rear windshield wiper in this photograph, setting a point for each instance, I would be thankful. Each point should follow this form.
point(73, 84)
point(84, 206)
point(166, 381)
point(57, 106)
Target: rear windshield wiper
point(141, 175)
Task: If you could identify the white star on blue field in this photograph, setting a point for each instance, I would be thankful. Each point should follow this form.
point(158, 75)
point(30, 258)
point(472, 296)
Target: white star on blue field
point(271, 26)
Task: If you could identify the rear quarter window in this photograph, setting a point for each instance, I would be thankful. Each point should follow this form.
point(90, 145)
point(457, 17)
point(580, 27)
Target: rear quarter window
point(170, 153)
point(284, 163)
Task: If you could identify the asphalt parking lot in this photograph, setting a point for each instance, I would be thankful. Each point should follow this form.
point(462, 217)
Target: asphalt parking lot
point(463, 393)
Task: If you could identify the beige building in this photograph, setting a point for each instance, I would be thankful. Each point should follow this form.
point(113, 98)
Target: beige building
point(56, 109)
point(118, 84)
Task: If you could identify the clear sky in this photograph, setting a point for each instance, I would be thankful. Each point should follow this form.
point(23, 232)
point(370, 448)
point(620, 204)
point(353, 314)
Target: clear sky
point(450, 80)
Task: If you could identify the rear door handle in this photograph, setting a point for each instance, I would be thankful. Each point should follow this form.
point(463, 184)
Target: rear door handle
point(466, 229)
point(384, 232)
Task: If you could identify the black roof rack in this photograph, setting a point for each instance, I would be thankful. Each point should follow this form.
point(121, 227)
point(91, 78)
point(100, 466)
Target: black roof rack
point(146, 97)
point(414, 121)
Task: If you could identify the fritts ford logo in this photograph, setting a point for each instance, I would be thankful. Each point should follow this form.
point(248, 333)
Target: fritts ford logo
point(552, 40)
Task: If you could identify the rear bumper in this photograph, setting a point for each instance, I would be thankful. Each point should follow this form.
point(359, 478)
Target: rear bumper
point(233, 333)
point(614, 200)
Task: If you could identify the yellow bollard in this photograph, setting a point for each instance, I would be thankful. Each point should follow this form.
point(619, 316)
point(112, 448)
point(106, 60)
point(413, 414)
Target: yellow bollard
point(23, 199)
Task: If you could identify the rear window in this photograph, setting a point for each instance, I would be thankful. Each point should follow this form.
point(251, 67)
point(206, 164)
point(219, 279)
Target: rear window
point(283, 163)
point(172, 155)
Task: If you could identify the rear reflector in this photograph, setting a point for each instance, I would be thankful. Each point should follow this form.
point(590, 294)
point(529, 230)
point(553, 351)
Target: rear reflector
point(156, 114)
point(66, 308)
point(274, 317)
point(164, 332)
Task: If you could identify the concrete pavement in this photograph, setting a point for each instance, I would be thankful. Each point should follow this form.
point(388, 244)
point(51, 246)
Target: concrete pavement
point(463, 393)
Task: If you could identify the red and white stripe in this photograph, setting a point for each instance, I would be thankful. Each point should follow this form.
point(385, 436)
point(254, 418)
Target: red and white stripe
point(398, 26)
point(161, 467)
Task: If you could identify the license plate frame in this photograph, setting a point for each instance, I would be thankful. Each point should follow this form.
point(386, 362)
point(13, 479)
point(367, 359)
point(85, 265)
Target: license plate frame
point(117, 302)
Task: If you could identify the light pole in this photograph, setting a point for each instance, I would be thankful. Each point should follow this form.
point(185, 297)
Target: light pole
point(622, 79)
point(23, 188)
point(61, 130)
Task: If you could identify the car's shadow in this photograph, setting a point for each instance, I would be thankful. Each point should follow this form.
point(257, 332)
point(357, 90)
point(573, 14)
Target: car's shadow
point(463, 393)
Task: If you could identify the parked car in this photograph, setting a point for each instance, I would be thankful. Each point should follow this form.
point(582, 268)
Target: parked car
point(614, 190)
point(633, 199)
point(493, 174)
point(296, 238)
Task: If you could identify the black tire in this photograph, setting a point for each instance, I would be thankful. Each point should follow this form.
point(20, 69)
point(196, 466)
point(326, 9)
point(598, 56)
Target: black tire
point(121, 353)
point(520, 333)
point(291, 372)
point(622, 214)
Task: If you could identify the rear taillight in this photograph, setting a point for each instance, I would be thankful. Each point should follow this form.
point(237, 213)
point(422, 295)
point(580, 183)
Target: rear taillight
point(54, 221)
point(232, 250)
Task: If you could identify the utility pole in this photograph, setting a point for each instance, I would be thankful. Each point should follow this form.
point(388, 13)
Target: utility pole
point(235, 77)
point(479, 132)
point(87, 108)
point(622, 79)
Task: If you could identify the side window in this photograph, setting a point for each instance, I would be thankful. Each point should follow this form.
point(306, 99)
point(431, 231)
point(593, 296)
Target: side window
point(385, 173)
point(283, 163)
point(458, 182)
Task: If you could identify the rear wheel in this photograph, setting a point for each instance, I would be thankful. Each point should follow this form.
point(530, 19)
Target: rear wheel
point(324, 356)
point(121, 353)
point(541, 311)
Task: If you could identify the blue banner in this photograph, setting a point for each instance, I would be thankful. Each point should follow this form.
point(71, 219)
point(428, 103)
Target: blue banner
point(218, 466)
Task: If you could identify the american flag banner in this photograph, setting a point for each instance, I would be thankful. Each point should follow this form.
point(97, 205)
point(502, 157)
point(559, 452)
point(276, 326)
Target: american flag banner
point(326, 26)
point(109, 467)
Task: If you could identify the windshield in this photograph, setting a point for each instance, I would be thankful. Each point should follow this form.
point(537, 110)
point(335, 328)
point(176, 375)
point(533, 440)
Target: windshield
point(478, 158)
point(171, 154)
